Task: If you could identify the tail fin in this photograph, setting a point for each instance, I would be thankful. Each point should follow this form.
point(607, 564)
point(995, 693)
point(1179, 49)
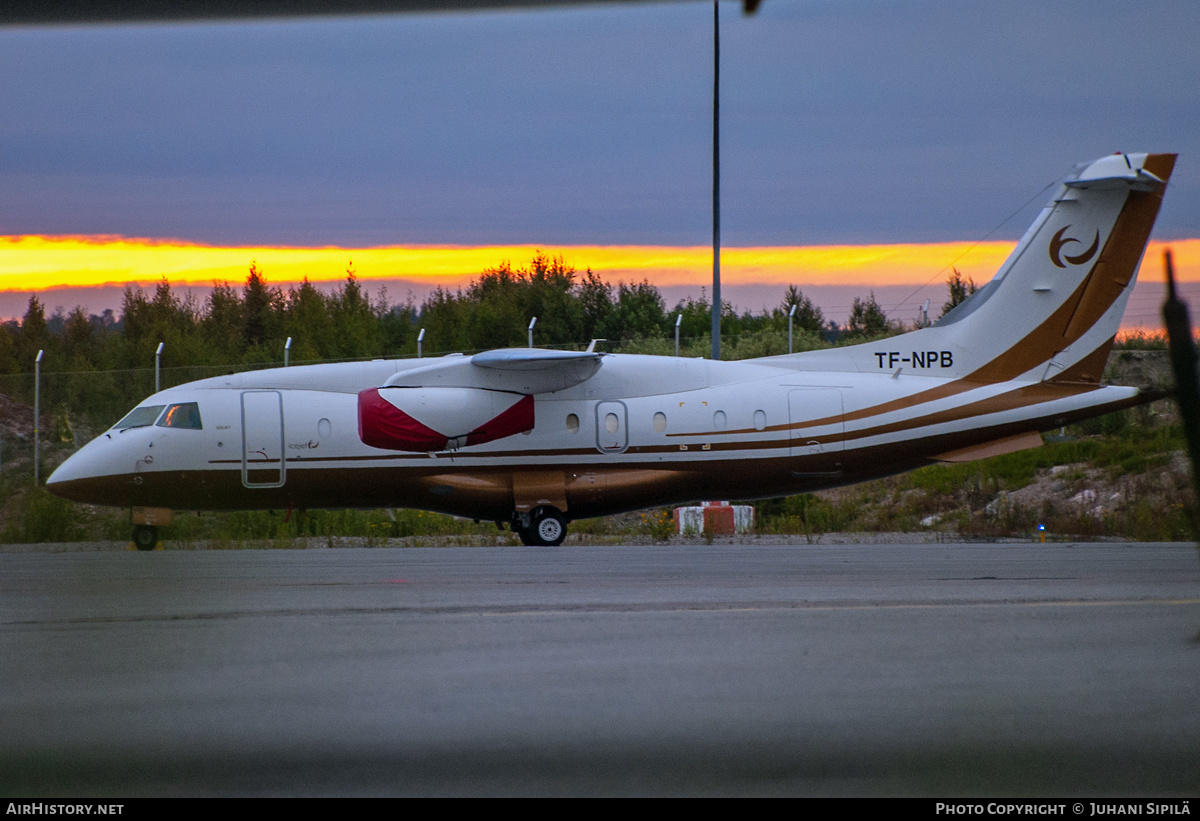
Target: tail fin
point(1054, 307)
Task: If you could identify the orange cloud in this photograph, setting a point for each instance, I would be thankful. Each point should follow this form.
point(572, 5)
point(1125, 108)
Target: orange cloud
point(33, 263)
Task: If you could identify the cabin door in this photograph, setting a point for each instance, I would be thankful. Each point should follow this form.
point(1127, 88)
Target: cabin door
point(263, 450)
point(816, 418)
point(612, 435)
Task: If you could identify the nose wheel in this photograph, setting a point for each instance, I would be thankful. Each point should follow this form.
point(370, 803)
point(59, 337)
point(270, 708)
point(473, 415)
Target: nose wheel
point(543, 527)
point(145, 537)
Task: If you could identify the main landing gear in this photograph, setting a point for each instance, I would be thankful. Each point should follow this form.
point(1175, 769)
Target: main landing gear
point(542, 527)
point(145, 537)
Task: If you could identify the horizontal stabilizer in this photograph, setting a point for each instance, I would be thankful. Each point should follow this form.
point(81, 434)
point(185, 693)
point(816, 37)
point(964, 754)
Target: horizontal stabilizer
point(1116, 171)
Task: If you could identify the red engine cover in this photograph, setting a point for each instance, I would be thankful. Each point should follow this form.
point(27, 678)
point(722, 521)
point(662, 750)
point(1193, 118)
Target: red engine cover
point(383, 425)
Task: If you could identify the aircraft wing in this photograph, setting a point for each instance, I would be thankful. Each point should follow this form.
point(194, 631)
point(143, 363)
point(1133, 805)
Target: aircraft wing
point(532, 359)
point(459, 401)
point(517, 370)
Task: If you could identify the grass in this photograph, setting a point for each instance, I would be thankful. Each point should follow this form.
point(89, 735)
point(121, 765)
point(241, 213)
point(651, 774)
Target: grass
point(1139, 499)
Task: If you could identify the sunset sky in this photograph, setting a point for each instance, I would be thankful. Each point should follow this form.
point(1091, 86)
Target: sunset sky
point(868, 144)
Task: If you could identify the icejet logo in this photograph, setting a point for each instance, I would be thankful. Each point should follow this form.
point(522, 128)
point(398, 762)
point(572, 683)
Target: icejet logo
point(1056, 246)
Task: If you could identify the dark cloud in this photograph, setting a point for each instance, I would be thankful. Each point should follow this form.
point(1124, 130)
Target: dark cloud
point(843, 122)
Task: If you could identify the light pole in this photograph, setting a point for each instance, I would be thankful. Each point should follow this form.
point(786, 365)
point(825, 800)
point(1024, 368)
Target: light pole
point(716, 195)
point(37, 412)
point(157, 365)
point(532, 322)
point(287, 351)
point(791, 316)
point(420, 342)
point(678, 319)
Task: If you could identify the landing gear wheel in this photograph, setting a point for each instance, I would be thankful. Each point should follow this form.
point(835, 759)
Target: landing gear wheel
point(145, 537)
point(547, 527)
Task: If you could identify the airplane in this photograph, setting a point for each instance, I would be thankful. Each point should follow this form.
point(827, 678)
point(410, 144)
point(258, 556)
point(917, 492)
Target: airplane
point(537, 438)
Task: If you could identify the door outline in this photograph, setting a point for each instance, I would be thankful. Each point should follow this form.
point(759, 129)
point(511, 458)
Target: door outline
point(263, 419)
point(619, 438)
point(806, 404)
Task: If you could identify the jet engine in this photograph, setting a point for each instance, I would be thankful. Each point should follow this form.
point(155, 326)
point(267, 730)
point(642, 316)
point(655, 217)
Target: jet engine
point(423, 420)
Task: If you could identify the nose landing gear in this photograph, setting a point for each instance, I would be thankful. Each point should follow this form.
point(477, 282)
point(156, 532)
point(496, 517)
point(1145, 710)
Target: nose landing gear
point(146, 522)
point(543, 526)
point(145, 537)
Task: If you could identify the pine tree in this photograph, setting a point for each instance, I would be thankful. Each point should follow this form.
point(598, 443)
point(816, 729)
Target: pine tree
point(959, 289)
point(867, 319)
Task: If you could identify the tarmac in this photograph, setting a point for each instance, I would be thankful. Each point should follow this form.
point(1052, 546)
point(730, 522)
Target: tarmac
point(937, 670)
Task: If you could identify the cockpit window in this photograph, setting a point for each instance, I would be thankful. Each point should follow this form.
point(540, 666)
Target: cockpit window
point(183, 415)
point(140, 417)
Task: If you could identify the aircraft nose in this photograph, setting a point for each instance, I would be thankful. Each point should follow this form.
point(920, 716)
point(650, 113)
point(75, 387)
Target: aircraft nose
point(67, 472)
point(84, 478)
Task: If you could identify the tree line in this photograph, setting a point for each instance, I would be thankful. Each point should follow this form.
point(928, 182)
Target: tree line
point(249, 324)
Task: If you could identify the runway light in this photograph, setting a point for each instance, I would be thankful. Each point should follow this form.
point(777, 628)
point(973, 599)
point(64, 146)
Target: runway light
point(1042, 528)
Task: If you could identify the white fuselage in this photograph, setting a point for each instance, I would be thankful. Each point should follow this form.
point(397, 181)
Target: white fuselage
point(617, 441)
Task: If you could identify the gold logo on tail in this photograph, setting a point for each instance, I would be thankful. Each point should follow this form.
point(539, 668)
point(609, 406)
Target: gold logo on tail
point(1057, 243)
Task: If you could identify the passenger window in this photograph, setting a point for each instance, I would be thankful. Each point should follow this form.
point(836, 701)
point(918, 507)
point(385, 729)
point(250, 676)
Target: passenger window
point(184, 415)
point(140, 417)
